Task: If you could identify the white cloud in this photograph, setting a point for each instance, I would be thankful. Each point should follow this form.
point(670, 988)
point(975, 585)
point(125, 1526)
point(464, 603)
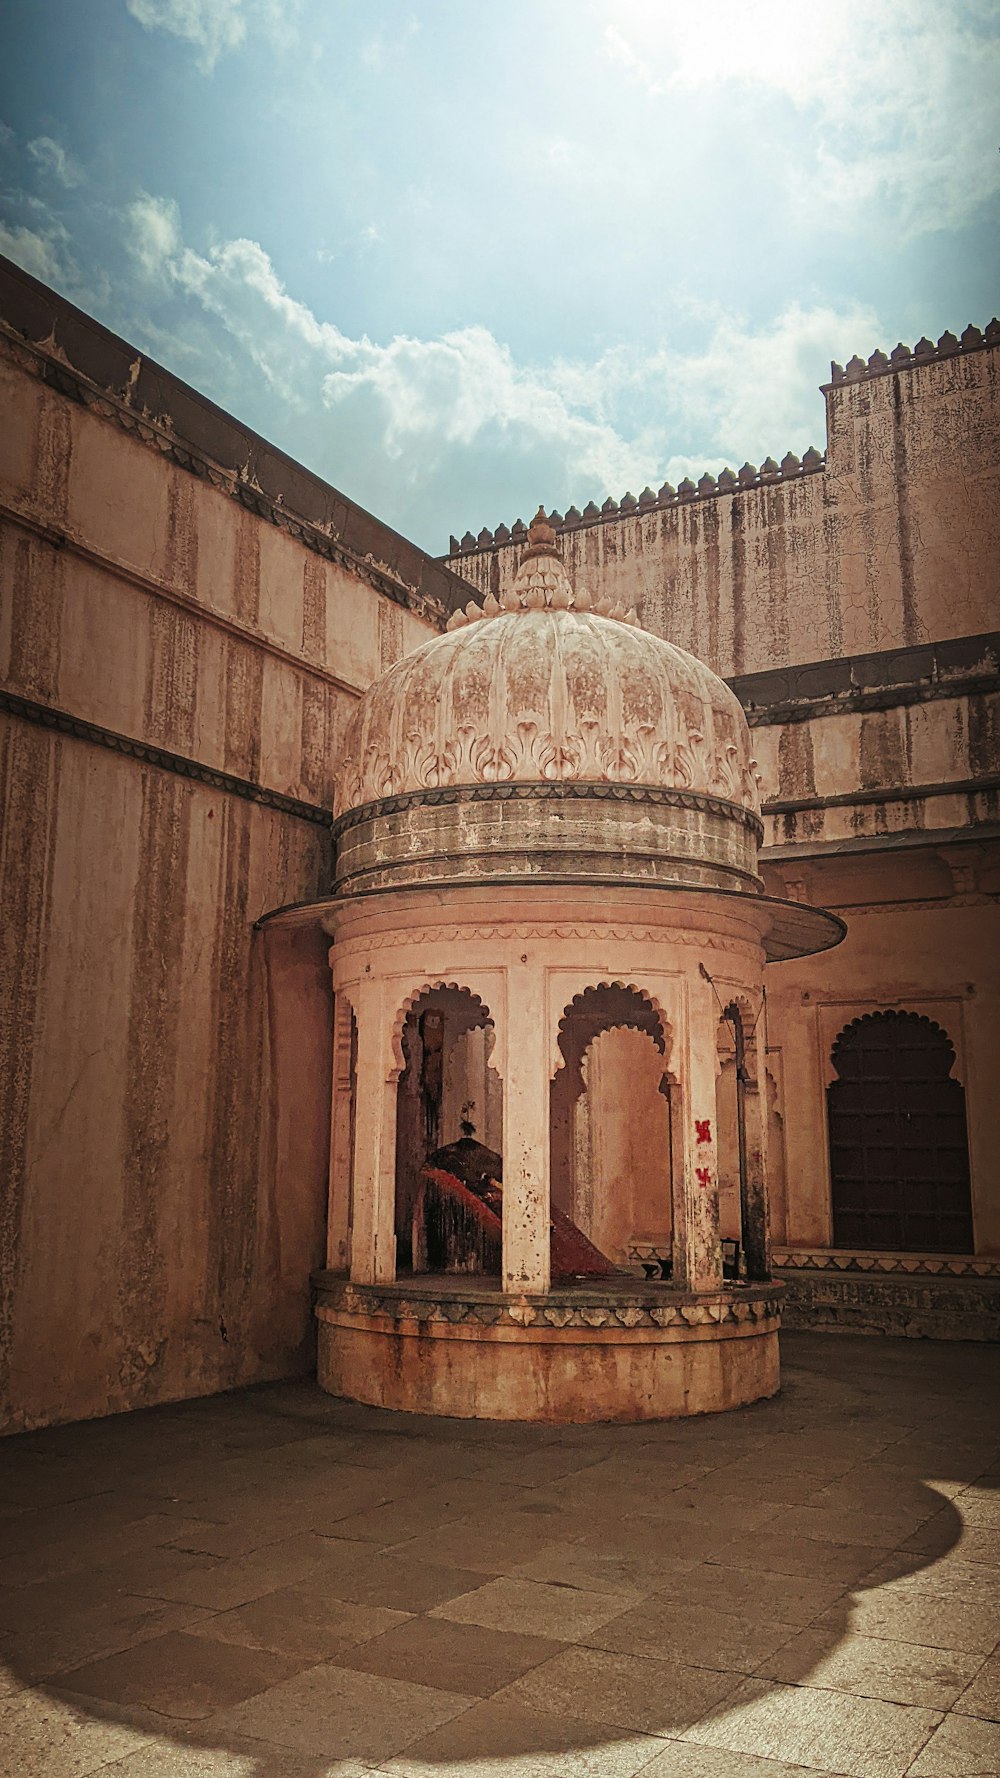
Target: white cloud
point(154, 234)
point(903, 98)
point(211, 25)
point(52, 158)
point(420, 413)
point(42, 252)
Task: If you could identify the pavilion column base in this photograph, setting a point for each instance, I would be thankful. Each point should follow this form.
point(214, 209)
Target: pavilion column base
point(570, 1357)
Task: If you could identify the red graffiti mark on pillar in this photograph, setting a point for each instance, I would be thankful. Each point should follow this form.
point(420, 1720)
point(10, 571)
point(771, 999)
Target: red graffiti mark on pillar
point(703, 1129)
point(703, 1175)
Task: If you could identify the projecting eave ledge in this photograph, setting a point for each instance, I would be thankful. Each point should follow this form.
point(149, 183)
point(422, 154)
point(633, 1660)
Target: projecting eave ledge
point(787, 928)
point(923, 838)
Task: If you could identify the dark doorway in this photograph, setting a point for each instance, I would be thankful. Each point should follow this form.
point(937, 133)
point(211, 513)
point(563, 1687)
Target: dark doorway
point(899, 1156)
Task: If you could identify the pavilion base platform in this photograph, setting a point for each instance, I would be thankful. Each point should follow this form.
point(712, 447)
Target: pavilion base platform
point(623, 1350)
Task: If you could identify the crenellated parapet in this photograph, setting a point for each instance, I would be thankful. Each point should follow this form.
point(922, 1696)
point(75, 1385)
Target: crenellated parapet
point(880, 364)
point(770, 473)
point(708, 487)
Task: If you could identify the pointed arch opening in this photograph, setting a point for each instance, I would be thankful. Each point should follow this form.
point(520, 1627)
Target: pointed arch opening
point(611, 1125)
point(899, 1155)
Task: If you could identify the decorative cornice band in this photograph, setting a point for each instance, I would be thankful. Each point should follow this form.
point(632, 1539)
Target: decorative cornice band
point(158, 589)
point(896, 1265)
point(47, 716)
point(635, 1309)
point(141, 426)
point(546, 791)
point(863, 702)
point(899, 793)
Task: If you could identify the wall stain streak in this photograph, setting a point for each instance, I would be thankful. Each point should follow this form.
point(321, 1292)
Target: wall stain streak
point(29, 785)
point(912, 627)
point(236, 1102)
point(154, 1033)
point(314, 609)
point(36, 618)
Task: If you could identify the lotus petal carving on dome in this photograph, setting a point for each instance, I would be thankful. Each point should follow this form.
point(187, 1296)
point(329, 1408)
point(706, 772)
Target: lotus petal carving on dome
point(547, 690)
point(619, 759)
point(558, 757)
point(492, 761)
point(691, 764)
point(727, 776)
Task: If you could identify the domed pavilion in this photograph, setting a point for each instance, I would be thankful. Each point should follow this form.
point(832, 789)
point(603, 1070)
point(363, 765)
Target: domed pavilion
point(548, 925)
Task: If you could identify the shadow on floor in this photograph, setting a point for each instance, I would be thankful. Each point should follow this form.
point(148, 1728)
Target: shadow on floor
point(239, 1578)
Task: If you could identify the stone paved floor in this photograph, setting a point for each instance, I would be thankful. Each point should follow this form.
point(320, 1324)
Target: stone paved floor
point(272, 1584)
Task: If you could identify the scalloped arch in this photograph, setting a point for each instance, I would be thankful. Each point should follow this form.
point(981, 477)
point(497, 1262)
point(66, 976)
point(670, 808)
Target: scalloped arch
point(662, 1036)
point(413, 1000)
point(845, 1038)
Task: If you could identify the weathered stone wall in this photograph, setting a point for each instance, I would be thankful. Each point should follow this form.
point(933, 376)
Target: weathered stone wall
point(186, 620)
point(893, 540)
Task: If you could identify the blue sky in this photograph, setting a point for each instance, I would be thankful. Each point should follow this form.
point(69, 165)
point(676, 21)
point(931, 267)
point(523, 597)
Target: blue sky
point(461, 259)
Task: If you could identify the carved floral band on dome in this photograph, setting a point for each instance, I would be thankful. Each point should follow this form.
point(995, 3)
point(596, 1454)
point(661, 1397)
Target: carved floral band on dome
point(541, 584)
point(550, 698)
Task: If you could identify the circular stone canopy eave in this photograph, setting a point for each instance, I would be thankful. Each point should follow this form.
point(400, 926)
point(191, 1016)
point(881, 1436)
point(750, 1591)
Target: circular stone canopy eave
point(789, 929)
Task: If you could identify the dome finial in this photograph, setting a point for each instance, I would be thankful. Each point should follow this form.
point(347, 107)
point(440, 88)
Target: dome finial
point(540, 531)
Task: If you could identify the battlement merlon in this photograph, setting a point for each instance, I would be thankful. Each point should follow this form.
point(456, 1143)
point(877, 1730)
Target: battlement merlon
point(728, 481)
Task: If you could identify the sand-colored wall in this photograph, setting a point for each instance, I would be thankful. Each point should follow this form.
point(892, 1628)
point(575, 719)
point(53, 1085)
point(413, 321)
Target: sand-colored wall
point(935, 955)
point(895, 541)
point(164, 1069)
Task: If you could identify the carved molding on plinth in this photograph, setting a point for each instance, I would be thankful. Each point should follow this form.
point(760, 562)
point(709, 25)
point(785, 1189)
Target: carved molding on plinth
point(634, 1312)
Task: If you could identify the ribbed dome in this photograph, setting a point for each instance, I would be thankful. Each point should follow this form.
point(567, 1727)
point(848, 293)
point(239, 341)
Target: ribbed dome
point(547, 689)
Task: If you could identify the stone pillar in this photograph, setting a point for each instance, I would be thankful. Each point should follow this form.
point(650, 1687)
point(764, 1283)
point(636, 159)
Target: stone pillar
point(526, 1266)
point(338, 1235)
point(696, 1246)
point(757, 1233)
point(373, 1241)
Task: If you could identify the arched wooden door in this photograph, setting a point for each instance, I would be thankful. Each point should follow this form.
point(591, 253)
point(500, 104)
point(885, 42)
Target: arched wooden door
point(899, 1156)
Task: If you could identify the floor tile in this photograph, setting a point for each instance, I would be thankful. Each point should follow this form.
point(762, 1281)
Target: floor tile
point(453, 1657)
point(487, 1547)
point(400, 1582)
point(655, 1697)
point(861, 1736)
point(773, 1553)
point(671, 1630)
point(946, 1532)
point(300, 1621)
point(780, 1598)
point(972, 1626)
point(979, 1507)
point(424, 1509)
point(907, 1572)
point(900, 1672)
point(497, 1741)
point(840, 1525)
point(44, 1650)
point(982, 1697)
point(223, 1585)
point(535, 1608)
point(577, 1565)
point(47, 1737)
point(239, 1758)
point(178, 1675)
point(683, 1760)
point(962, 1748)
point(331, 1712)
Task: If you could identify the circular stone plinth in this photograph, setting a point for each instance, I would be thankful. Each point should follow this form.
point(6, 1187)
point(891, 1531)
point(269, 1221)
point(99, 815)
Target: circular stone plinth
point(624, 1351)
